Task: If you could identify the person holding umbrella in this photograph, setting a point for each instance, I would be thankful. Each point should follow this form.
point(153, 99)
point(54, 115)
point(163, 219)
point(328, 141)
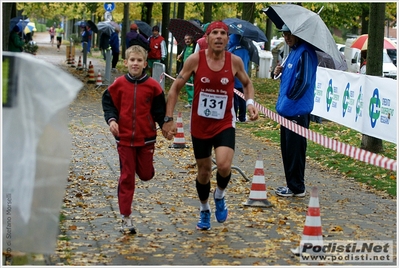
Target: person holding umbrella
point(237, 49)
point(114, 43)
point(212, 119)
point(86, 37)
point(135, 38)
point(16, 44)
point(295, 102)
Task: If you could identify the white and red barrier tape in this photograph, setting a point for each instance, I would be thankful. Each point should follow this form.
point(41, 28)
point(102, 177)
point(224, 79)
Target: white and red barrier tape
point(340, 147)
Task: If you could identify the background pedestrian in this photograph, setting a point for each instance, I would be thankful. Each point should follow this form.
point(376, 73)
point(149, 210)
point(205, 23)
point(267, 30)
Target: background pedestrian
point(52, 34)
point(158, 50)
point(182, 57)
point(237, 49)
point(114, 43)
point(135, 38)
point(59, 33)
point(16, 44)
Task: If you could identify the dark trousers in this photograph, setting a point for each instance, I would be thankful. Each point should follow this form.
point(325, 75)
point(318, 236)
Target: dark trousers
point(115, 58)
point(240, 106)
point(293, 152)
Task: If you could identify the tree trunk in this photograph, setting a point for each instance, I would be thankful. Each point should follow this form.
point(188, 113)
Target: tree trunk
point(207, 12)
point(374, 65)
point(147, 12)
point(125, 28)
point(365, 20)
point(248, 10)
point(269, 32)
point(181, 7)
point(9, 11)
point(165, 31)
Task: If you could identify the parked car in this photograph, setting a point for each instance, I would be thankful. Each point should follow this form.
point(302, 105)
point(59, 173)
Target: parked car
point(275, 42)
point(341, 48)
point(278, 55)
point(392, 54)
point(354, 58)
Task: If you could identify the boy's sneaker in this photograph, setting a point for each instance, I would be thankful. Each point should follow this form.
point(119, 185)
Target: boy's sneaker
point(127, 226)
point(285, 191)
point(280, 188)
point(221, 212)
point(204, 222)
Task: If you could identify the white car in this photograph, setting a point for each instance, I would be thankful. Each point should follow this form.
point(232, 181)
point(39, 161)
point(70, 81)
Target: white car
point(354, 58)
point(275, 42)
point(341, 48)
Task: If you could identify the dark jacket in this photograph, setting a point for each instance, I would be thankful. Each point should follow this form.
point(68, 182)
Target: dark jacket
point(235, 47)
point(104, 41)
point(133, 34)
point(135, 104)
point(114, 42)
point(16, 44)
point(85, 36)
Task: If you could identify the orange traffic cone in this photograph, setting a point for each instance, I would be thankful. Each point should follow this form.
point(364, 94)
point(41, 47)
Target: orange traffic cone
point(312, 232)
point(99, 81)
point(73, 62)
point(258, 194)
point(179, 141)
point(69, 59)
point(80, 66)
point(92, 78)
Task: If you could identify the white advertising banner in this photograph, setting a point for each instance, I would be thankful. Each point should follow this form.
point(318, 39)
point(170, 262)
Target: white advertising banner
point(364, 103)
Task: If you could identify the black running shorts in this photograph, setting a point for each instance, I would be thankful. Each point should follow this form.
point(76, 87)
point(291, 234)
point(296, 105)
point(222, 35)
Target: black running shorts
point(203, 147)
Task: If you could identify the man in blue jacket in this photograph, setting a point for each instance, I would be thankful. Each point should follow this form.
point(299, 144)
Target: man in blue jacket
point(235, 47)
point(295, 103)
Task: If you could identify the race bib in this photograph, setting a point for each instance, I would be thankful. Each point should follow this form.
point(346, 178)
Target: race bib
point(212, 105)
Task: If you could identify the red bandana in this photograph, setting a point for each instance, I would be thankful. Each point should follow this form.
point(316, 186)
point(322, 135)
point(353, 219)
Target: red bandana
point(215, 25)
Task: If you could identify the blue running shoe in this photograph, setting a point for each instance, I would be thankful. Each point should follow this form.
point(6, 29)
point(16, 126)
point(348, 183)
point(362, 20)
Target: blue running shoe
point(204, 222)
point(221, 212)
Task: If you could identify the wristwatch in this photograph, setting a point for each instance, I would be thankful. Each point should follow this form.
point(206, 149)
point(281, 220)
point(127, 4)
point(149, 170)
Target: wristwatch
point(167, 119)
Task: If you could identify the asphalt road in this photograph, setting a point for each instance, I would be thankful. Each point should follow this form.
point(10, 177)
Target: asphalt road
point(166, 208)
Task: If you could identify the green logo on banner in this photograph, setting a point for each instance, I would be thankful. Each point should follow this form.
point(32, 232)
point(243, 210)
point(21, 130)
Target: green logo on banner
point(374, 108)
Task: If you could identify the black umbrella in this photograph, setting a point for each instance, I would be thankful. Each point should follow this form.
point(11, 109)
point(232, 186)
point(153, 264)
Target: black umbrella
point(326, 61)
point(252, 49)
point(179, 28)
point(144, 28)
point(92, 26)
point(245, 29)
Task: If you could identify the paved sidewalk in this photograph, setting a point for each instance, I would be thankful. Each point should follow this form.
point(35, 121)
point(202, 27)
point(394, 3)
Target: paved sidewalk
point(166, 208)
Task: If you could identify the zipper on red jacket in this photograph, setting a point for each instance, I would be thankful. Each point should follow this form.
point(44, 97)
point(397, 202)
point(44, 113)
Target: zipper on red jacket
point(134, 112)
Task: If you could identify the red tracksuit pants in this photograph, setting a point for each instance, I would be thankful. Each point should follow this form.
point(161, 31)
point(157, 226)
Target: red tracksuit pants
point(133, 160)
